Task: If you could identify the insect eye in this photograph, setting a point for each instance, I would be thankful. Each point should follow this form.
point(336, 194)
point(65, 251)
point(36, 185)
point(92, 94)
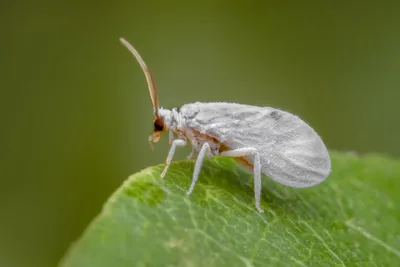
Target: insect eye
point(158, 125)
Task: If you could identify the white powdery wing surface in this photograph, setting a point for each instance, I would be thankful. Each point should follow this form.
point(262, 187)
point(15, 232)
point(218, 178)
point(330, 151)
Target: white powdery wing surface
point(291, 152)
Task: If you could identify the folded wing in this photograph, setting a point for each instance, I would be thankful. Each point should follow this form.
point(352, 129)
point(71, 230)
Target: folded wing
point(292, 153)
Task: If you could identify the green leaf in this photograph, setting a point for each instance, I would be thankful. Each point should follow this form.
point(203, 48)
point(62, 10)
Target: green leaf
point(351, 219)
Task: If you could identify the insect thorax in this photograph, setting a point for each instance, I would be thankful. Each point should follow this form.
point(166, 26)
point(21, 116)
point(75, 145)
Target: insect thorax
point(176, 122)
point(172, 119)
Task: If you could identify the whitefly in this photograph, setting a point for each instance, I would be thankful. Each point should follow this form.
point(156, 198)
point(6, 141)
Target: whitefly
point(269, 141)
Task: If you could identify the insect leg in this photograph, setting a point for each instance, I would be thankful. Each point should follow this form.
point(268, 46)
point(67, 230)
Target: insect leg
point(205, 149)
point(192, 154)
point(175, 143)
point(241, 152)
point(171, 136)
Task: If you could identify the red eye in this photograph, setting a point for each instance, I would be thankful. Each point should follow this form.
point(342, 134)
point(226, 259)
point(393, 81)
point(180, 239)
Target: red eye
point(158, 125)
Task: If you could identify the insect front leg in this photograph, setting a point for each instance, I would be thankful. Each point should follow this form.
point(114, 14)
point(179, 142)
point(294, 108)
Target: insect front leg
point(246, 151)
point(171, 136)
point(205, 150)
point(175, 143)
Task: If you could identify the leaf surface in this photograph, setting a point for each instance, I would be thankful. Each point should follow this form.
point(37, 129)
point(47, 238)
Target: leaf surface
point(351, 219)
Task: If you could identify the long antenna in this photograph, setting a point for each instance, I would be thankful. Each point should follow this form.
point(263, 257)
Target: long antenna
point(150, 82)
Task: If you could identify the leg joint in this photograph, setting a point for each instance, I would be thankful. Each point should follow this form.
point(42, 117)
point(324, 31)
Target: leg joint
point(179, 142)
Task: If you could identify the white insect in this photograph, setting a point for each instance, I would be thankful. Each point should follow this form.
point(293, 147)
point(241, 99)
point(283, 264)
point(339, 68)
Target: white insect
point(270, 141)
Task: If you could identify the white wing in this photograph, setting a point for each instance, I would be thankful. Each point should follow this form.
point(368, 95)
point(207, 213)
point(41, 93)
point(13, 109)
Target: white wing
point(291, 152)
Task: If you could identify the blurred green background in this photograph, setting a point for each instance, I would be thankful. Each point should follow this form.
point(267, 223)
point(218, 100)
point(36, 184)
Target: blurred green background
point(76, 114)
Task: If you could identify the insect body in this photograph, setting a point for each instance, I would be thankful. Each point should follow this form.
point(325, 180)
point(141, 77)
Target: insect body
point(271, 141)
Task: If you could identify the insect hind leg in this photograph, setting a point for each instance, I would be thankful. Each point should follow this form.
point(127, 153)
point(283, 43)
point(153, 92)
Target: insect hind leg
point(246, 151)
point(204, 151)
